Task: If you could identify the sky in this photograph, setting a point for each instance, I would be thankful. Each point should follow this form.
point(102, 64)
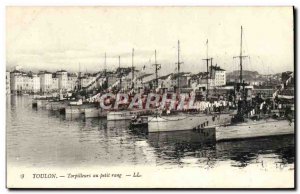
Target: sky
point(76, 38)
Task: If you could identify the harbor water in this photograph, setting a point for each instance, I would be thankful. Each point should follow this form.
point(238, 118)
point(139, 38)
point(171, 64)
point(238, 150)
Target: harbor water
point(39, 138)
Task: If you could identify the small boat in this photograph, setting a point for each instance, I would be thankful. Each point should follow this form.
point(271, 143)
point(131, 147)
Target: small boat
point(78, 109)
point(72, 110)
point(95, 112)
point(244, 127)
point(187, 121)
point(126, 114)
point(39, 103)
point(255, 128)
point(55, 105)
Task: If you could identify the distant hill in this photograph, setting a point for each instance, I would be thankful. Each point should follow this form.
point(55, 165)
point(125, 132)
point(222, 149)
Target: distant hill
point(254, 77)
point(247, 75)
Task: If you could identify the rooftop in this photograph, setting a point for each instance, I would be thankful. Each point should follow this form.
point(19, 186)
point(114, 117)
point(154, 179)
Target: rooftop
point(61, 71)
point(217, 68)
point(17, 71)
point(44, 72)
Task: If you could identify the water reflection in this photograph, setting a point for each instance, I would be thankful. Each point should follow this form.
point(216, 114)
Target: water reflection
point(184, 147)
point(47, 138)
point(243, 152)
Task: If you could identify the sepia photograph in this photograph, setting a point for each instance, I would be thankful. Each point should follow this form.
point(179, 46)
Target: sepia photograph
point(158, 97)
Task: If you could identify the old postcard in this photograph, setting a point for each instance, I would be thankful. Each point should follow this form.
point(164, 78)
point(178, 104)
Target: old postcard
point(150, 97)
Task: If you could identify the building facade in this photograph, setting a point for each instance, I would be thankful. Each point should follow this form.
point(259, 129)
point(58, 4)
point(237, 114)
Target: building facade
point(45, 81)
point(62, 79)
point(86, 80)
point(16, 81)
point(54, 84)
point(36, 86)
point(217, 77)
point(72, 82)
point(7, 81)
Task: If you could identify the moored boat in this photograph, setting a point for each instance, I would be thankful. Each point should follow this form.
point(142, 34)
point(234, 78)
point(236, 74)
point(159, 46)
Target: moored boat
point(255, 118)
point(187, 121)
point(94, 112)
point(39, 103)
point(255, 128)
point(72, 110)
point(126, 114)
point(56, 105)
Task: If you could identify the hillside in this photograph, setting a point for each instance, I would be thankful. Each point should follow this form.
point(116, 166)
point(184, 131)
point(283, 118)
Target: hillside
point(247, 75)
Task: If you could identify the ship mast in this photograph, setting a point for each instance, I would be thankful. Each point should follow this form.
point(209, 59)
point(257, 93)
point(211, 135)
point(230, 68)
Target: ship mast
point(157, 67)
point(241, 56)
point(207, 72)
point(242, 109)
point(211, 60)
point(79, 78)
point(105, 64)
point(120, 75)
point(178, 67)
point(105, 72)
point(132, 68)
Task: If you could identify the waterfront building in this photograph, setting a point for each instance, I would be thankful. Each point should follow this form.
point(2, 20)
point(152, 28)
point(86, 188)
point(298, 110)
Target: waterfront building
point(256, 82)
point(54, 84)
point(36, 86)
point(21, 82)
point(45, 81)
point(200, 81)
point(7, 81)
point(62, 77)
point(218, 76)
point(16, 81)
point(72, 82)
point(27, 85)
point(86, 80)
point(183, 79)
